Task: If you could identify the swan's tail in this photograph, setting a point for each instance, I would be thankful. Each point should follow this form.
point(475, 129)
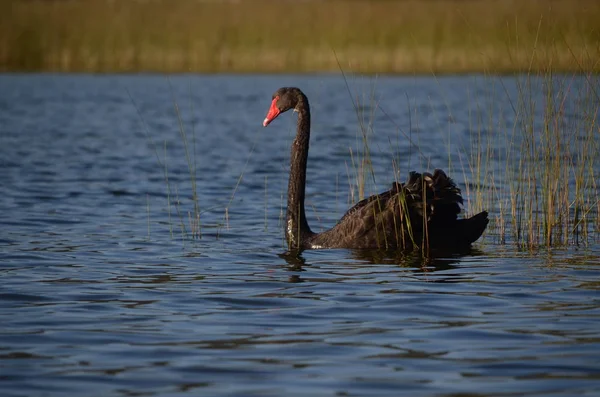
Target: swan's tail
point(473, 227)
point(459, 234)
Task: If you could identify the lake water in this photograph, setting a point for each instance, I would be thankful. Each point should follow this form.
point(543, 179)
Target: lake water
point(110, 286)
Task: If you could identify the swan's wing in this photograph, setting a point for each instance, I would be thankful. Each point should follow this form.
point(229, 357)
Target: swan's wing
point(425, 195)
point(399, 217)
point(366, 224)
point(380, 198)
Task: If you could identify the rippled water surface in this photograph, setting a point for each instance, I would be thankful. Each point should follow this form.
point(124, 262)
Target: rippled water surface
point(106, 289)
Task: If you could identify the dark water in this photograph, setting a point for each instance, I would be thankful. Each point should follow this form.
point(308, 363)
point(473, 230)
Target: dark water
point(106, 291)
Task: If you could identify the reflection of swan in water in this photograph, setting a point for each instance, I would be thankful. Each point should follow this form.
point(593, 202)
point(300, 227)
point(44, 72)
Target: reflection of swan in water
point(421, 212)
point(296, 262)
point(434, 261)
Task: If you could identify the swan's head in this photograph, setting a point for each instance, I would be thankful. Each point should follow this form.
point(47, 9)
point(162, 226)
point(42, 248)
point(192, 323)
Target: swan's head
point(284, 99)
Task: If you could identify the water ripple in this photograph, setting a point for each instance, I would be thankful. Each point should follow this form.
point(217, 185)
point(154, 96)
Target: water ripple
point(105, 292)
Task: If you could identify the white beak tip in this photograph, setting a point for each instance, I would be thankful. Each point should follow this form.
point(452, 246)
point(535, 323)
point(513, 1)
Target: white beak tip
point(265, 122)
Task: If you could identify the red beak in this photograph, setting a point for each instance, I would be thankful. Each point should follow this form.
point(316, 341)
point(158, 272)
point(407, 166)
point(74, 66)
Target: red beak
point(273, 112)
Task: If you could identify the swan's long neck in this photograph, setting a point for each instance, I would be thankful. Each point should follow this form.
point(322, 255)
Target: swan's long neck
point(297, 229)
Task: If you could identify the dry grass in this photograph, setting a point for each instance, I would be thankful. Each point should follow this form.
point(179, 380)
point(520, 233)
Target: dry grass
point(411, 36)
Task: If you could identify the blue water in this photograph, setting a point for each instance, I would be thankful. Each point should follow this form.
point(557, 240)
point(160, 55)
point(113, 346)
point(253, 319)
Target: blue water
point(110, 285)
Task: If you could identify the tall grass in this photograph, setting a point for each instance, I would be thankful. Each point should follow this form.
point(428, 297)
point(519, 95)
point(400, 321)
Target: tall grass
point(193, 228)
point(407, 36)
point(546, 193)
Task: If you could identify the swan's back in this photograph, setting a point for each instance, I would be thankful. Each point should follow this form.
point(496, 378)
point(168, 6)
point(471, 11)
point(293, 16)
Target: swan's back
point(422, 211)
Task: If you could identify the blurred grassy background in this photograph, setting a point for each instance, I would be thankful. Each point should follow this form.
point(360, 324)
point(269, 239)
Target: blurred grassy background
point(383, 36)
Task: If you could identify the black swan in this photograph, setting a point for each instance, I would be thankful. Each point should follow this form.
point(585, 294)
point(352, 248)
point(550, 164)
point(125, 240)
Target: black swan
point(419, 213)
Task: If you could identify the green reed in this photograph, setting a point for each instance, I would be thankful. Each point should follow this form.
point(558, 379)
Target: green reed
point(551, 166)
point(378, 36)
point(190, 157)
point(194, 226)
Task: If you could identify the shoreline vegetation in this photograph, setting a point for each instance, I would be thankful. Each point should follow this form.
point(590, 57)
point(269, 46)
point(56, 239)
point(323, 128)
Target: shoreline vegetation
point(276, 36)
